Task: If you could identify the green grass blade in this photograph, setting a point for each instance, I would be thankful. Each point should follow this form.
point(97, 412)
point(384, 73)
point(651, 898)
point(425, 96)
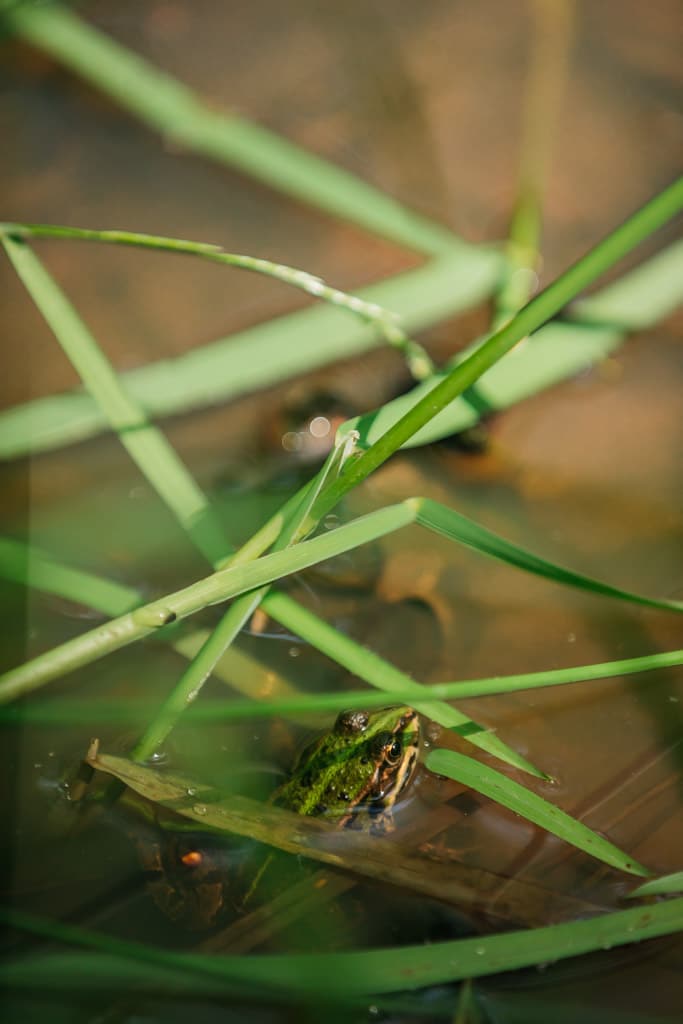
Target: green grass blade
point(169, 107)
point(292, 703)
point(663, 886)
point(372, 970)
point(660, 209)
point(156, 459)
point(289, 521)
point(530, 806)
point(236, 668)
point(452, 524)
point(34, 568)
point(144, 442)
point(555, 352)
point(387, 678)
point(258, 356)
point(213, 589)
point(382, 320)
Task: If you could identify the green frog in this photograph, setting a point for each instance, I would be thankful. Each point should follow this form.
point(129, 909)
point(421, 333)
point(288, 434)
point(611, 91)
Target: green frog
point(352, 775)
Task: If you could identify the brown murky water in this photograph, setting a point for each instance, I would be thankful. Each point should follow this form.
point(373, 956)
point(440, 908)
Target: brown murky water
point(422, 100)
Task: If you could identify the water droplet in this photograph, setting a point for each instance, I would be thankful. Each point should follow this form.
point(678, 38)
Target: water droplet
point(191, 791)
point(154, 617)
point(292, 441)
point(319, 426)
point(294, 652)
point(158, 757)
point(480, 951)
point(331, 522)
point(37, 764)
point(199, 809)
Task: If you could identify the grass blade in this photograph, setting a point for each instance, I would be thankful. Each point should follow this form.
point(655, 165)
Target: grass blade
point(546, 304)
point(257, 357)
point(451, 524)
point(530, 806)
point(385, 323)
point(162, 467)
point(296, 704)
point(371, 970)
point(169, 107)
point(555, 352)
point(663, 886)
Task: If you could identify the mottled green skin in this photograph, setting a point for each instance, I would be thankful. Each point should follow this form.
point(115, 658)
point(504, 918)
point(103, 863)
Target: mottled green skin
point(362, 763)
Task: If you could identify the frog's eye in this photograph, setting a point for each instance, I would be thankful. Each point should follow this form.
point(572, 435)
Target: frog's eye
point(381, 744)
point(393, 752)
point(352, 722)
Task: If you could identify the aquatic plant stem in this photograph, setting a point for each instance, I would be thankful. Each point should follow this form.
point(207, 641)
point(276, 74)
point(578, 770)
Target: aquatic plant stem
point(546, 304)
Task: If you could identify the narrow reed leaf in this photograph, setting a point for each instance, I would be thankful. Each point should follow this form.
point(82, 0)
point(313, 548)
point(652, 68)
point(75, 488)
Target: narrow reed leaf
point(449, 523)
point(171, 108)
point(555, 352)
point(257, 357)
point(214, 589)
point(34, 568)
point(384, 676)
point(162, 467)
point(293, 703)
point(660, 209)
point(382, 320)
point(143, 441)
point(367, 971)
point(530, 806)
point(663, 886)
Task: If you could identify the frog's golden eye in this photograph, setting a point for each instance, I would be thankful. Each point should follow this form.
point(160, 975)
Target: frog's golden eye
point(352, 722)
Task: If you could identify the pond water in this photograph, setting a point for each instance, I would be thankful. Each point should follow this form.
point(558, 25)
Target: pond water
point(587, 475)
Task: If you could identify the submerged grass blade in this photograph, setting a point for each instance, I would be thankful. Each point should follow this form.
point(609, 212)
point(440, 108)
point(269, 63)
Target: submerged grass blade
point(143, 441)
point(382, 320)
point(449, 880)
point(530, 806)
point(257, 357)
point(32, 567)
point(368, 971)
point(171, 108)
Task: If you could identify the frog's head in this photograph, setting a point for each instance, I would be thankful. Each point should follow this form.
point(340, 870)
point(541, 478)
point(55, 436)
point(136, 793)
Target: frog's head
point(363, 763)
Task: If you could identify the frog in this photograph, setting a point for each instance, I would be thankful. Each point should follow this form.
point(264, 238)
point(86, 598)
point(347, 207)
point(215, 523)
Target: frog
point(351, 776)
